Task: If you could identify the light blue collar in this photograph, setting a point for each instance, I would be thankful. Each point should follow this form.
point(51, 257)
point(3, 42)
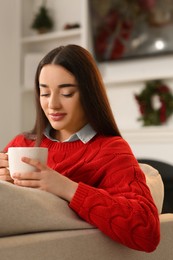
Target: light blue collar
point(85, 134)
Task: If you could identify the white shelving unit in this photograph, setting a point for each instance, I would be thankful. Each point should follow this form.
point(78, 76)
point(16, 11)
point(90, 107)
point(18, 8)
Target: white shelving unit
point(33, 46)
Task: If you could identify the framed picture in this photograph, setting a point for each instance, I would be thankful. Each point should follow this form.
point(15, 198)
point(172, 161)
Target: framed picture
point(126, 29)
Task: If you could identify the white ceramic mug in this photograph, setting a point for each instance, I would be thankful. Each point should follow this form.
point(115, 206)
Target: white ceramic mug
point(16, 153)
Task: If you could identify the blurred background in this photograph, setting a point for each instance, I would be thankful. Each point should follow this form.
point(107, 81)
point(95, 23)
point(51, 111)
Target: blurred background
point(31, 28)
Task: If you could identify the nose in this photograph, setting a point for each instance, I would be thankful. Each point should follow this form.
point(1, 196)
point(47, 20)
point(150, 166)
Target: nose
point(54, 101)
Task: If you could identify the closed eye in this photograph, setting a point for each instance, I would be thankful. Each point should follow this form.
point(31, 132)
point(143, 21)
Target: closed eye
point(44, 95)
point(67, 95)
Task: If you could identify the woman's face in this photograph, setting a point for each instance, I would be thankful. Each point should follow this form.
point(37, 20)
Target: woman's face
point(60, 101)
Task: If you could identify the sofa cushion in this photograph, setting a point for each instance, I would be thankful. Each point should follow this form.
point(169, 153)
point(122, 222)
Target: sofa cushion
point(155, 184)
point(26, 210)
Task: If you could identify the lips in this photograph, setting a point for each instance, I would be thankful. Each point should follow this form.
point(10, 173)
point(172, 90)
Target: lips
point(57, 116)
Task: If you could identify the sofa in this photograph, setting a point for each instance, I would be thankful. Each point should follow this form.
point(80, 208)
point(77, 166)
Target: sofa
point(165, 169)
point(40, 226)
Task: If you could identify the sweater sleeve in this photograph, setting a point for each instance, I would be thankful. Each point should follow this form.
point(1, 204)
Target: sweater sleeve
point(121, 205)
point(19, 141)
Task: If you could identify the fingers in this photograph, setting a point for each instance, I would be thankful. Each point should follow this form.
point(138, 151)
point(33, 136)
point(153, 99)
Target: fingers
point(27, 183)
point(30, 179)
point(3, 160)
point(6, 178)
point(5, 175)
point(4, 171)
point(27, 176)
point(34, 179)
point(37, 164)
point(4, 156)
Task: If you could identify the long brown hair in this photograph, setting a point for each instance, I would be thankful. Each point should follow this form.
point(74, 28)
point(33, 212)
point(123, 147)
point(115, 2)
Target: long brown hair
point(94, 100)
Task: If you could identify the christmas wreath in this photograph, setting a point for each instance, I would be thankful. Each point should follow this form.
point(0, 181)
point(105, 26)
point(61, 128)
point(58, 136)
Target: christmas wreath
point(155, 103)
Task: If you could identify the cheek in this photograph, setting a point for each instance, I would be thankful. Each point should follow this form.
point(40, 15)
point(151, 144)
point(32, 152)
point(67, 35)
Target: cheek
point(75, 106)
point(43, 104)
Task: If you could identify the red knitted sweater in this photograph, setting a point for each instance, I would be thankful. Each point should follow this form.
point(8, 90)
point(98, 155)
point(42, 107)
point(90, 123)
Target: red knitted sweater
point(112, 193)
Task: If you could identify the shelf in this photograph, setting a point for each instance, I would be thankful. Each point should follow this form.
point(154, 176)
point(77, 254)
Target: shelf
point(126, 71)
point(51, 36)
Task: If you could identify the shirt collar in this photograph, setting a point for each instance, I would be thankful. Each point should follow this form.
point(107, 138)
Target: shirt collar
point(85, 134)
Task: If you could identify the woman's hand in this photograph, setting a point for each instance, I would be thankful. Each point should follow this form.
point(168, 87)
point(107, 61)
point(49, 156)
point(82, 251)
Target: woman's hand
point(44, 178)
point(4, 172)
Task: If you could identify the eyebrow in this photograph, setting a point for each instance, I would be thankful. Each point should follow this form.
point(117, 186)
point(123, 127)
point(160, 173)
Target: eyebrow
point(65, 85)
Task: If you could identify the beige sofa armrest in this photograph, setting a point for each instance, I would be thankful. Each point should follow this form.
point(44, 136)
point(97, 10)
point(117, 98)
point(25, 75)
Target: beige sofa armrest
point(83, 244)
point(155, 184)
point(166, 218)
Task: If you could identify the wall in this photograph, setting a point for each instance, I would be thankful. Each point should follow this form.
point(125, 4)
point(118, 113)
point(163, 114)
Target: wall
point(125, 79)
point(146, 142)
point(9, 58)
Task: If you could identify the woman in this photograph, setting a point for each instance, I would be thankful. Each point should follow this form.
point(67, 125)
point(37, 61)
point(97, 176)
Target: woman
point(89, 164)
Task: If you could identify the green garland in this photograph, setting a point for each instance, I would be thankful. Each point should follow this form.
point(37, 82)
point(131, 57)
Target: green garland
point(150, 113)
